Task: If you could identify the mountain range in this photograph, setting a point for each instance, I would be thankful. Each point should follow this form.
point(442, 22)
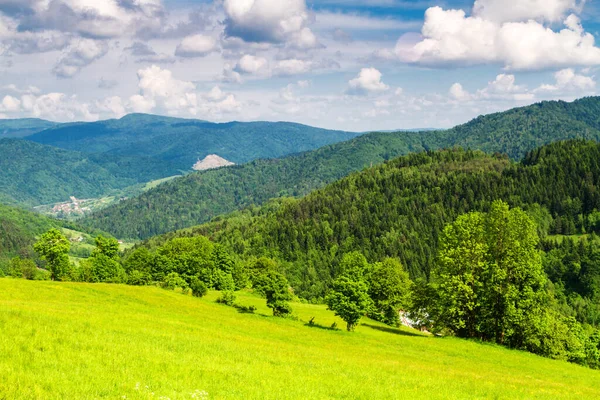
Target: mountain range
point(198, 197)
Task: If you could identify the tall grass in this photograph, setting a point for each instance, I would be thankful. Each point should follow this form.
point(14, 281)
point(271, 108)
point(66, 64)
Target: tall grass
point(80, 341)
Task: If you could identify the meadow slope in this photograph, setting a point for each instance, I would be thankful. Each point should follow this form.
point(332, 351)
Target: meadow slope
point(63, 340)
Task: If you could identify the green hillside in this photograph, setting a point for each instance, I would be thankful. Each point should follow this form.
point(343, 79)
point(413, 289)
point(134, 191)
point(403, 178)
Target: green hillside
point(398, 209)
point(62, 340)
point(199, 197)
point(183, 141)
point(19, 229)
point(18, 128)
point(517, 131)
point(32, 174)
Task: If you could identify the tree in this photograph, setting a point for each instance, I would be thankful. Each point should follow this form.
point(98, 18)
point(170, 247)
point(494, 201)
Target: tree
point(389, 288)
point(489, 277)
point(349, 294)
point(105, 261)
point(349, 299)
point(277, 291)
point(54, 247)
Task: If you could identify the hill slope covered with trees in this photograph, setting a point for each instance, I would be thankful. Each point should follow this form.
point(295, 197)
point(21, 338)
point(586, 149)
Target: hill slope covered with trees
point(199, 197)
point(183, 142)
point(32, 174)
point(17, 128)
point(399, 209)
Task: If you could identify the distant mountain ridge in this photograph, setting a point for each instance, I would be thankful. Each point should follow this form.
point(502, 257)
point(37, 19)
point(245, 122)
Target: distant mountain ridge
point(18, 128)
point(198, 197)
point(184, 141)
point(32, 174)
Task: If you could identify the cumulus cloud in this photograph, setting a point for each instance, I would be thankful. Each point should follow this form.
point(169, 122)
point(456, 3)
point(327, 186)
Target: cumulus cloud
point(96, 19)
point(160, 91)
point(368, 81)
point(196, 46)
point(511, 33)
point(252, 65)
point(158, 88)
point(504, 87)
point(567, 80)
point(271, 21)
point(524, 10)
point(78, 55)
point(52, 106)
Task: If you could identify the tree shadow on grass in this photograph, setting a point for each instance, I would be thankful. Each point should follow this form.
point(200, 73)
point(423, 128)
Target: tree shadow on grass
point(395, 331)
point(319, 326)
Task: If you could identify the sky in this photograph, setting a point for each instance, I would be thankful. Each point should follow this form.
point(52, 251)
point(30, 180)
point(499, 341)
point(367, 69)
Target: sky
point(359, 65)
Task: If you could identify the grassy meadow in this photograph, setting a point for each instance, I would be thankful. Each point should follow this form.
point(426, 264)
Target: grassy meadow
point(84, 341)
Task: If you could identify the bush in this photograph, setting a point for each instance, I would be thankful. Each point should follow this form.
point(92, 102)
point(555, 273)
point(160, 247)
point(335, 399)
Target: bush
point(138, 278)
point(174, 281)
point(223, 281)
point(227, 298)
point(25, 269)
point(198, 287)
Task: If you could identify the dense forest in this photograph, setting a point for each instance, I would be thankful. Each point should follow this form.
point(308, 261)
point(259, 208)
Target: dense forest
point(45, 174)
point(197, 198)
point(18, 128)
point(182, 141)
point(398, 209)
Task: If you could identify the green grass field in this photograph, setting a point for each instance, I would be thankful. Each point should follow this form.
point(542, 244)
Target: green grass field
point(82, 341)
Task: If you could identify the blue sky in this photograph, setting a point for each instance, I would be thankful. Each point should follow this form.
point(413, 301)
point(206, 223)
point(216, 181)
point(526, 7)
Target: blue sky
point(345, 64)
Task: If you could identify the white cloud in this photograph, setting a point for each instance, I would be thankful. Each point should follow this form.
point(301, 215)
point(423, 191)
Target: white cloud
point(57, 107)
point(567, 80)
point(293, 67)
point(272, 21)
point(158, 88)
point(457, 92)
point(252, 65)
point(367, 81)
point(230, 75)
point(79, 55)
point(160, 91)
point(524, 10)
point(503, 88)
point(196, 46)
point(452, 37)
point(113, 106)
point(11, 104)
point(88, 18)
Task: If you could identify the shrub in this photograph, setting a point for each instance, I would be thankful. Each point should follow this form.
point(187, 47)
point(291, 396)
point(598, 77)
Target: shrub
point(138, 278)
point(223, 281)
point(198, 287)
point(227, 298)
point(173, 281)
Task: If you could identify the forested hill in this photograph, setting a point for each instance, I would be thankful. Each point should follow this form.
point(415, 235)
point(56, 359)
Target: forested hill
point(198, 197)
point(18, 230)
point(16, 128)
point(517, 131)
point(201, 196)
point(32, 174)
point(398, 209)
point(183, 141)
